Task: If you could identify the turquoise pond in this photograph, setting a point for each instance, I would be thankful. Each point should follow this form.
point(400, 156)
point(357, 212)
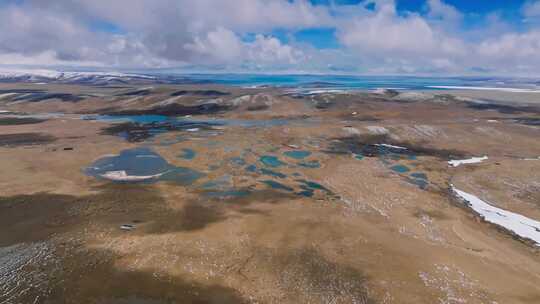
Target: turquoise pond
point(400, 168)
point(306, 193)
point(419, 175)
point(419, 179)
point(271, 161)
point(297, 154)
point(251, 168)
point(275, 185)
point(188, 154)
point(237, 161)
point(272, 173)
point(421, 183)
point(142, 162)
point(220, 183)
point(313, 185)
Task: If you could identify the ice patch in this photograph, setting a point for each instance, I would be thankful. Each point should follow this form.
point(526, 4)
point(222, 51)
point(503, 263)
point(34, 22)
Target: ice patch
point(127, 227)
point(427, 131)
point(520, 225)
point(325, 91)
point(474, 160)
point(385, 90)
point(7, 95)
point(168, 101)
point(318, 91)
point(145, 156)
point(514, 90)
point(240, 100)
point(351, 130)
point(413, 96)
point(377, 130)
point(391, 146)
point(122, 176)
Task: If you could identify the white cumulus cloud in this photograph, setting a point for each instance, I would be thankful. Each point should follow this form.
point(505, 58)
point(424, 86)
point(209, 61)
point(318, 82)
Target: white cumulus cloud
point(213, 33)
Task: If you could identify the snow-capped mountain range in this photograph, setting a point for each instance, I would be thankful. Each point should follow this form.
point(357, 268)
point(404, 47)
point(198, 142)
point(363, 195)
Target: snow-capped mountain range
point(53, 76)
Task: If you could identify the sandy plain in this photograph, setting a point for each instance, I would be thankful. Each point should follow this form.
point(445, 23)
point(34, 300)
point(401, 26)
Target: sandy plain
point(348, 223)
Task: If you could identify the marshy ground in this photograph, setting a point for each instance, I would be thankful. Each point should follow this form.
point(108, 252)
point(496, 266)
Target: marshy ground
point(213, 194)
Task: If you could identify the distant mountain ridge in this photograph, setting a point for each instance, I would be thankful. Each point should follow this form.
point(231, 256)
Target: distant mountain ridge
point(92, 78)
point(312, 83)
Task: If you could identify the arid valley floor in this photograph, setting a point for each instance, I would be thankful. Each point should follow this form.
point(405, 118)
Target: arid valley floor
point(156, 193)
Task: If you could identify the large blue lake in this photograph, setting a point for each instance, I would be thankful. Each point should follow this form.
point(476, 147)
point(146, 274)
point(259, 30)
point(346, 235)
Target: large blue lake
point(355, 82)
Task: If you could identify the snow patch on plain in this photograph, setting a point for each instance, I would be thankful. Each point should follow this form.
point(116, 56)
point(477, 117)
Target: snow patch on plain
point(520, 225)
point(377, 130)
point(473, 160)
point(352, 130)
point(124, 177)
point(513, 90)
point(391, 146)
point(2, 96)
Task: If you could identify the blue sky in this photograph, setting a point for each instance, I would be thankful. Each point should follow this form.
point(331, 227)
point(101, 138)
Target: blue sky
point(475, 14)
point(443, 37)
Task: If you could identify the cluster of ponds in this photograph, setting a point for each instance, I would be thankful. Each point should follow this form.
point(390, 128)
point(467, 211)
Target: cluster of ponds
point(393, 157)
point(144, 165)
point(140, 128)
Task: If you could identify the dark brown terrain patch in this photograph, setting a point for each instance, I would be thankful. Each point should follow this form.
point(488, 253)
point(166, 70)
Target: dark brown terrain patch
point(307, 276)
point(260, 107)
point(25, 139)
point(138, 132)
point(529, 121)
point(357, 117)
point(198, 214)
point(143, 92)
point(132, 132)
point(36, 217)
point(177, 109)
point(502, 108)
point(370, 146)
point(65, 97)
point(13, 121)
point(200, 93)
point(27, 218)
point(194, 216)
point(85, 275)
point(88, 275)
